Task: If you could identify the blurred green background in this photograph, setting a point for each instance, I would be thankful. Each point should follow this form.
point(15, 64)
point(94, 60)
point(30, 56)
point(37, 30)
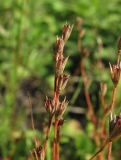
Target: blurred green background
point(28, 30)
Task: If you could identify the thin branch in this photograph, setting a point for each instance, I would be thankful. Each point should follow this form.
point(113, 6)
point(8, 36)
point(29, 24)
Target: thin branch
point(33, 127)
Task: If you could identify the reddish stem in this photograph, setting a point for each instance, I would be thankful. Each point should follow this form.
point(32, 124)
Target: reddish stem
point(109, 151)
point(87, 96)
point(47, 135)
point(55, 155)
point(111, 112)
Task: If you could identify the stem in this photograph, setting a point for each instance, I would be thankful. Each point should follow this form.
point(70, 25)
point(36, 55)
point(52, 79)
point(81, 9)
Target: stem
point(100, 150)
point(36, 156)
point(87, 96)
point(113, 100)
point(118, 57)
point(49, 126)
point(111, 109)
point(100, 156)
point(33, 127)
point(20, 35)
point(55, 155)
point(47, 135)
point(58, 142)
point(104, 105)
point(109, 151)
point(111, 112)
point(76, 92)
point(107, 142)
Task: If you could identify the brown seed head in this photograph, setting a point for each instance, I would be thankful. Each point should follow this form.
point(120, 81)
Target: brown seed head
point(115, 71)
point(63, 79)
point(60, 65)
point(59, 46)
point(67, 29)
point(36, 152)
point(49, 105)
point(61, 108)
point(115, 128)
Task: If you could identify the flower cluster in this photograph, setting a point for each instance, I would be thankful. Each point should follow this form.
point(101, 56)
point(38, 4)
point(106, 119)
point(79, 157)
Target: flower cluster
point(115, 71)
point(55, 106)
point(115, 128)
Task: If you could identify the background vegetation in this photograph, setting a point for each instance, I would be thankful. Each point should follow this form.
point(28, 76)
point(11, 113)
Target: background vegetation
point(27, 32)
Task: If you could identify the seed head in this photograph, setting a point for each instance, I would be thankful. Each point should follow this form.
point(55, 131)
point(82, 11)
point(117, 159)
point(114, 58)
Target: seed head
point(49, 105)
point(115, 71)
point(115, 127)
point(60, 64)
point(37, 151)
point(61, 108)
point(67, 29)
point(59, 46)
point(63, 79)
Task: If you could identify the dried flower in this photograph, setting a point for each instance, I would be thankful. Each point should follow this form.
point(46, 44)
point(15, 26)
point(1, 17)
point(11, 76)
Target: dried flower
point(54, 107)
point(59, 45)
point(61, 108)
point(60, 64)
point(115, 128)
point(67, 29)
point(63, 79)
point(114, 133)
point(64, 63)
point(61, 121)
point(37, 152)
point(115, 71)
point(49, 105)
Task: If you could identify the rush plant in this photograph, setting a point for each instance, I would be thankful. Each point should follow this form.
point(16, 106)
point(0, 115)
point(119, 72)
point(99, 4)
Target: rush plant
point(55, 107)
point(115, 120)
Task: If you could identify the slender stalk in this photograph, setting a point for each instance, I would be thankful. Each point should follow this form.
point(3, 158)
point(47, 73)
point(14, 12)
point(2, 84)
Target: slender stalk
point(113, 103)
point(47, 136)
point(59, 84)
point(99, 151)
point(32, 122)
point(91, 113)
point(114, 125)
point(111, 115)
point(87, 96)
point(107, 142)
point(55, 107)
point(55, 142)
point(104, 105)
point(113, 100)
point(109, 151)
